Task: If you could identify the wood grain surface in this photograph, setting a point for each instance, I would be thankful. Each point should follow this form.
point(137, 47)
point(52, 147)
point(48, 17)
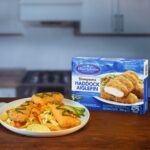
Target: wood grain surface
point(104, 131)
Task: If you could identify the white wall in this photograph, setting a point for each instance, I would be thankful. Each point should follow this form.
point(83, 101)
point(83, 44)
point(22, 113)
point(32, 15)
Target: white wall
point(53, 48)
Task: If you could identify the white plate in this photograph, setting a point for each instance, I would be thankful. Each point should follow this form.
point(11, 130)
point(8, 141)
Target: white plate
point(117, 103)
point(16, 103)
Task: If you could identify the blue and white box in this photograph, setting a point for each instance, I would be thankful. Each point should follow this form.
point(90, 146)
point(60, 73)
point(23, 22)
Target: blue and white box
point(107, 84)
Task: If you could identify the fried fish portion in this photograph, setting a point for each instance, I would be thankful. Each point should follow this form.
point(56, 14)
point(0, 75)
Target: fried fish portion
point(47, 118)
point(64, 119)
point(130, 75)
point(105, 95)
point(122, 85)
point(46, 109)
point(116, 88)
point(130, 99)
point(22, 112)
point(21, 116)
point(47, 97)
point(139, 90)
point(126, 82)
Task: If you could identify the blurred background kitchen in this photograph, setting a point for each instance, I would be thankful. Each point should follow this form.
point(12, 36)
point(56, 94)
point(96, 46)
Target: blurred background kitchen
point(38, 39)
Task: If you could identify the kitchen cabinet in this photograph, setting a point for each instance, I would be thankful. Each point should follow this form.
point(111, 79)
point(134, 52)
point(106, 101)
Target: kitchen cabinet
point(96, 17)
point(9, 17)
point(50, 10)
point(136, 15)
point(112, 17)
point(102, 17)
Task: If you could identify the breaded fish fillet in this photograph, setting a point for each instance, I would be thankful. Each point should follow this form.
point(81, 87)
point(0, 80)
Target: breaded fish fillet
point(65, 121)
point(126, 82)
point(130, 99)
point(21, 116)
point(122, 85)
point(116, 88)
point(49, 120)
point(131, 77)
point(47, 97)
point(139, 91)
point(132, 73)
point(105, 95)
point(21, 113)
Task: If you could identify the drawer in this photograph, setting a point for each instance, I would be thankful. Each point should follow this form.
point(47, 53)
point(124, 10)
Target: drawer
point(7, 92)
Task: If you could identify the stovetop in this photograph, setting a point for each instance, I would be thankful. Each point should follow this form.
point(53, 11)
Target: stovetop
point(47, 77)
point(44, 81)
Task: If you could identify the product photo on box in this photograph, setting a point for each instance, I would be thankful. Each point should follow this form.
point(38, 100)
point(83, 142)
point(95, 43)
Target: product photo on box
point(111, 84)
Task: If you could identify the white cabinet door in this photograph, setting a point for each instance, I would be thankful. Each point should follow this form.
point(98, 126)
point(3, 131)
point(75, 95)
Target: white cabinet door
point(96, 16)
point(136, 15)
point(50, 10)
point(9, 17)
point(110, 16)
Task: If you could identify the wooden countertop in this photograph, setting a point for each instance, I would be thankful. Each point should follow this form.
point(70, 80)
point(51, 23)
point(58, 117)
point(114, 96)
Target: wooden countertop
point(105, 131)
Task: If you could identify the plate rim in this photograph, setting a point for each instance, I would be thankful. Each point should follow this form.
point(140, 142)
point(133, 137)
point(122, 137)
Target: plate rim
point(44, 134)
point(116, 103)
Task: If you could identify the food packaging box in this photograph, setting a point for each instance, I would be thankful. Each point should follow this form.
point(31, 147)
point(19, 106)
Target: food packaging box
point(118, 84)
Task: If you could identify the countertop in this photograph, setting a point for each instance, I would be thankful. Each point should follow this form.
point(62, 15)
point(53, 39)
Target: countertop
point(104, 131)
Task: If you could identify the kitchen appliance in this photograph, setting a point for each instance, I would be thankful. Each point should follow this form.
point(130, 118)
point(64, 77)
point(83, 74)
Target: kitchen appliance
point(44, 81)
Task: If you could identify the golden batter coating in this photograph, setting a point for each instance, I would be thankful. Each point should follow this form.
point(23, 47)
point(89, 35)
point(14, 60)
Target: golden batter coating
point(130, 99)
point(122, 85)
point(64, 121)
point(126, 82)
point(105, 95)
point(124, 88)
point(21, 117)
point(47, 118)
point(116, 84)
point(139, 90)
point(132, 73)
point(21, 113)
point(48, 97)
point(131, 77)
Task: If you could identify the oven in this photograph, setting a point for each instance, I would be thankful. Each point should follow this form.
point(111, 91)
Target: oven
point(45, 81)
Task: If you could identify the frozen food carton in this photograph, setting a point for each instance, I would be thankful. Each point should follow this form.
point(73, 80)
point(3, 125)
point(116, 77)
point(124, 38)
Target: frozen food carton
point(117, 84)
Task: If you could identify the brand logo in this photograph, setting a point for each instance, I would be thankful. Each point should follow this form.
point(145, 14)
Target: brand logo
point(88, 69)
